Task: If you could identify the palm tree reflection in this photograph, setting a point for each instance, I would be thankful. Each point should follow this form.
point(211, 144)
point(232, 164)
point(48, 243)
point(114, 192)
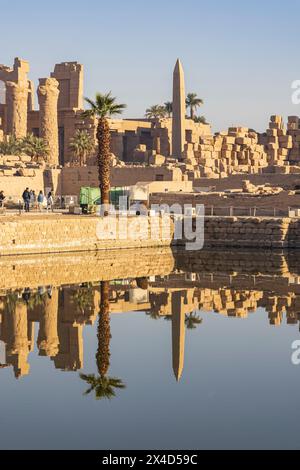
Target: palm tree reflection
point(192, 320)
point(102, 385)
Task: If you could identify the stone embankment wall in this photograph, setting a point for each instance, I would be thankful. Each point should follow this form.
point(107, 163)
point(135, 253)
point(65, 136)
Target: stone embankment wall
point(251, 232)
point(64, 233)
point(56, 234)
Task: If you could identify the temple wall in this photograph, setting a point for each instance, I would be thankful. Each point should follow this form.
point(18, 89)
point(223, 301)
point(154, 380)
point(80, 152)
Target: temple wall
point(13, 186)
point(74, 178)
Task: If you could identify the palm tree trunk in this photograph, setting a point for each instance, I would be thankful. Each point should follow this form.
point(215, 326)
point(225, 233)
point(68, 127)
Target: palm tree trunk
point(103, 334)
point(192, 112)
point(104, 160)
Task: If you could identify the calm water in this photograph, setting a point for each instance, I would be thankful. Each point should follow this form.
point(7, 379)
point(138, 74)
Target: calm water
point(203, 350)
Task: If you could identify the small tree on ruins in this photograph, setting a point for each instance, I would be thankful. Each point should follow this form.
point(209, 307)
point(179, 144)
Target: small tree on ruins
point(200, 120)
point(11, 146)
point(81, 145)
point(102, 108)
point(35, 147)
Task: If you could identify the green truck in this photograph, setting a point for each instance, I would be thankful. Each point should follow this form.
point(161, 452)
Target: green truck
point(90, 198)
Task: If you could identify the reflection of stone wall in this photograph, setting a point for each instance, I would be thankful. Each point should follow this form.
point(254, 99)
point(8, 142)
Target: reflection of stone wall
point(33, 271)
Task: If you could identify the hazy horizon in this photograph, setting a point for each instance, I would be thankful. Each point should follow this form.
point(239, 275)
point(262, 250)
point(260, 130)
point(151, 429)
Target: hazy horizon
point(239, 58)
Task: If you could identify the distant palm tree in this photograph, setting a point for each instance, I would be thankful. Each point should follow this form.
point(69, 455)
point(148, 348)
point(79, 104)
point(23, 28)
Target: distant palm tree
point(193, 103)
point(102, 108)
point(103, 386)
point(156, 112)
point(35, 147)
point(169, 108)
point(192, 320)
point(81, 145)
point(200, 120)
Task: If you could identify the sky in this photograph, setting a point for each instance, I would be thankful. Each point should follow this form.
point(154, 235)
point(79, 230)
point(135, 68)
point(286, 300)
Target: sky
point(239, 57)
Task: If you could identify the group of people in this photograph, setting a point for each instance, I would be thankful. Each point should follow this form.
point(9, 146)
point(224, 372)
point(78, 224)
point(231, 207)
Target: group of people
point(40, 201)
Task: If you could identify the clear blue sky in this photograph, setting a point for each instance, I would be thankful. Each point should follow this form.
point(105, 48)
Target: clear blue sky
point(239, 56)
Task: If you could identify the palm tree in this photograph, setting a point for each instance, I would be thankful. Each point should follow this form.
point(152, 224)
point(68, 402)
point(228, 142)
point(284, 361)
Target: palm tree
point(102, 108)
point(103, 386)
point(193, 103)
point(192, 320)
point(11, 146)
point(169, 108)
point(200, 119)
point(81, 145)
point(35, 147)
point(156, 112)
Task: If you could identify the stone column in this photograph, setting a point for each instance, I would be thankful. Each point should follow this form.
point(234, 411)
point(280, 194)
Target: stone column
point(16, 100)
point(48, 97)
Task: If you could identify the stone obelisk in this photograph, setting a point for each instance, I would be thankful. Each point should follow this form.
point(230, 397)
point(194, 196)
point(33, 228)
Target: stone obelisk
point(179, 108)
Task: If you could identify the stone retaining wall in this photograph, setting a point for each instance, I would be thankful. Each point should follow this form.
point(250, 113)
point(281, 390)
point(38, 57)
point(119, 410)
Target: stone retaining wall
point(251, 232)
point(54, 234)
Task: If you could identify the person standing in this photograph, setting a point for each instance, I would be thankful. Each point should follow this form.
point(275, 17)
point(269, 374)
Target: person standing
point(2, 197)
point(50, 202)
point(40, 200)
point(26, 199)
point(33, 199)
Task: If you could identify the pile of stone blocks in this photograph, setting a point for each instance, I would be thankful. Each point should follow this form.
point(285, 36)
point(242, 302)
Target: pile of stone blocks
point(278, 142)
point(230, 302)
point(293, 130)
point(236, 151)
point(248, 187)
point(150, 157)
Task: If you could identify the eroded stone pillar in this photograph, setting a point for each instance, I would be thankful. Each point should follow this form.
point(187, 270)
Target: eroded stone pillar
point(48, 97)
point(16, 96)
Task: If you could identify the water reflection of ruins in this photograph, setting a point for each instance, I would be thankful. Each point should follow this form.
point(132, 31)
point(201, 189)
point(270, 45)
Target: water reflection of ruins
point(60, 295)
